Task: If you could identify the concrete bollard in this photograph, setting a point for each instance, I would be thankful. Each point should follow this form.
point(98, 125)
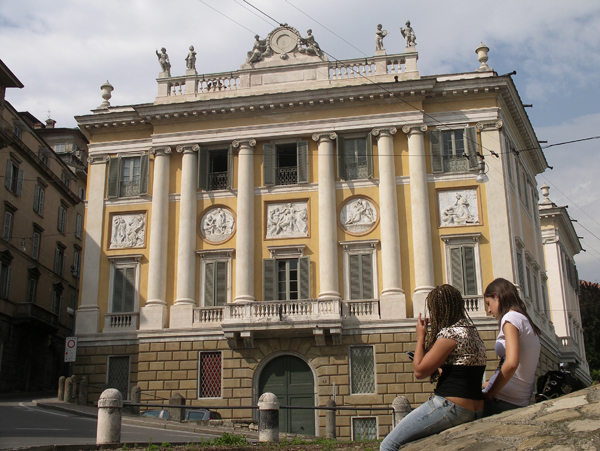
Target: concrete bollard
point(177, 414)
point(75, 394)
point(83, 391)
point(401, 407)
point(61, 388)
point(136, 398)
point(110, 405)
point(268, 418)
point(68, 390)
point(330, 420)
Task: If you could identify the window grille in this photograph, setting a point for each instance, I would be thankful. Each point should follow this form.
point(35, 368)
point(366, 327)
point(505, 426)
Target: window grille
point(362, 369)
point(118, 374)
point(287, 176)
point(210, 375)
point(364, 429)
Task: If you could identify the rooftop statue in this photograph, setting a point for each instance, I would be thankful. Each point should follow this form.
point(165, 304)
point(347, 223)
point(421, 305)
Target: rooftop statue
point(379, 35)
point(312, 47)
point(163, 60)
point(259, 51)
point(409, 35)
point(190, 59)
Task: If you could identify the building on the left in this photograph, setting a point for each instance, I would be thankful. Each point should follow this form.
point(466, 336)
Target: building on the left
point(41, 243)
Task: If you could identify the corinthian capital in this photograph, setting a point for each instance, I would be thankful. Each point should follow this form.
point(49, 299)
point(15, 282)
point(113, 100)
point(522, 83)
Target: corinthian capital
point(250, 142)
point(325, 136)
point(489, 125)
point(414, 128)
point(187, 148)
point(160, 151)
point(384, 131)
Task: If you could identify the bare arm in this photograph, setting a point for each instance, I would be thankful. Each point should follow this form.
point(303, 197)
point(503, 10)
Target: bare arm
point(511, 362)
point(425, 364)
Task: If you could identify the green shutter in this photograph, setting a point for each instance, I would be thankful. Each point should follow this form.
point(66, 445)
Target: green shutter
point(269, 164)
point(221, 283)
point(203, 168)
point(437, 159)
point(8, 175)
point(8, 277)
point(471, 147)
point(41, 202)
point(118, 281)
point(369, 155)
point(130, 289)
point(367, 276)
point(304, 277)
point(302, 158)
point(470, 271)
point(20, 182)
point(354, 260)
point(36, 198)
point(341, 157)
point(230, 167)
point(144, 173)
point(209, 284)
point(270, 279)
point(113, 177)
point(457, 269)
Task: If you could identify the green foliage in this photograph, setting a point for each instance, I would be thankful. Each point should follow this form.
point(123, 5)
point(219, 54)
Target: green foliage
point(165, 445)
point(589, 302)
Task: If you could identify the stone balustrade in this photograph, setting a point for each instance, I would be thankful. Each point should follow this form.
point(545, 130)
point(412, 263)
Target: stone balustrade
point(121, 322)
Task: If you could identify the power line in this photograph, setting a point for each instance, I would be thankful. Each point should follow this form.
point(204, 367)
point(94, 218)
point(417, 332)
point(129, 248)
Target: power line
point(224, 15)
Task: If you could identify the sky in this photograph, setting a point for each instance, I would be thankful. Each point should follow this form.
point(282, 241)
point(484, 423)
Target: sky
point(64, 50)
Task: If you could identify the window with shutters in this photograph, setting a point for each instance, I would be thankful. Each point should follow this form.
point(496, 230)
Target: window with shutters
point(215, 277)
point(38, 199)
point(9, 219)
point(127, 176)
point(65, 179)
point(453, 150)
point(43, 155)
point(59, 259)
point(362, 369)
point(355, 157)
point(76, 261)
point(13, 180)
point(62, 219)
point(36, 241)
point(124, 283)
point(5, 277)
point(286, 276)
point(360, 269)
point(79, 226)
point(33, 275)
point(463, 263)
point(56, 303)
point(215, 169)
point(210, 374)
point(117, 374)
point(507, 151)
point(285, 164)
point(18, 131)
point(528, 275)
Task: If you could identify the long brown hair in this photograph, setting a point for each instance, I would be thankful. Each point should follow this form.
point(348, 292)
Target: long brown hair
point(508, 299)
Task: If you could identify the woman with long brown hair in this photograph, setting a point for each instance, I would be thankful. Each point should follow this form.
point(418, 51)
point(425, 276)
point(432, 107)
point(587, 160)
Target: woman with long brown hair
point(517, 345)
point(453, 345)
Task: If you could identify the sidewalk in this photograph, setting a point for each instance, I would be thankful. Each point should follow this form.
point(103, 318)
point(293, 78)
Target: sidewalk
point(138, 420)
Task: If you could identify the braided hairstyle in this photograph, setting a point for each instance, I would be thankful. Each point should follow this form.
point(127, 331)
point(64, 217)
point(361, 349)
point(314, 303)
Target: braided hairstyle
point(446, 306)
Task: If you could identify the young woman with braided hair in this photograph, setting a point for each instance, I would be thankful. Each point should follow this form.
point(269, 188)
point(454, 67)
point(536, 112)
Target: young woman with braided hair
point(517, 345)
point(454, 346)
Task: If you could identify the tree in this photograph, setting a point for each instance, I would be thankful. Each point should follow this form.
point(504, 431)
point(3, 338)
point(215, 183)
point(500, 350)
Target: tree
point(589, 303)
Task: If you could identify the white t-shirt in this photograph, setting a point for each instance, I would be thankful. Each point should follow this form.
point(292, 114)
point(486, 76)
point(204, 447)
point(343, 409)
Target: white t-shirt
point(519, 388)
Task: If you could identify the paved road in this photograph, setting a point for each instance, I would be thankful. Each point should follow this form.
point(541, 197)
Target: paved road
point(23, 424)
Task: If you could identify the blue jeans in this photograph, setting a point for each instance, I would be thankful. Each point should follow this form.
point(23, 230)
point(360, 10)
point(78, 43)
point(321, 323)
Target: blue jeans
point(432, 417)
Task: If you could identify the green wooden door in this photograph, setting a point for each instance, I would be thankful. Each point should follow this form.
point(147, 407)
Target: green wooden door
point(291, 380)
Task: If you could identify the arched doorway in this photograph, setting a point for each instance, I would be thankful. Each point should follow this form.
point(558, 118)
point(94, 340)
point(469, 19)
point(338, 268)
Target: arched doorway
point(291, 380)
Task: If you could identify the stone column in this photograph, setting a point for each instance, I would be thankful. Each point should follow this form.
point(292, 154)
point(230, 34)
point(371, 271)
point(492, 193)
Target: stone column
point(421, 221)
point(244, 267)
point(88, 313)
point(328, 247)
point(153, 315)
point(392, 300)
point(182, 314)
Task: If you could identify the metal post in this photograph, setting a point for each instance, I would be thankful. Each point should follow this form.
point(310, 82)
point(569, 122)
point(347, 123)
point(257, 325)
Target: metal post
point(268, 418)
point(330, 420)
point(110, 405)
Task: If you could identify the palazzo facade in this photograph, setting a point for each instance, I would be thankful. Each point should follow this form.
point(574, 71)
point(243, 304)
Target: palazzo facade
point(278, 228)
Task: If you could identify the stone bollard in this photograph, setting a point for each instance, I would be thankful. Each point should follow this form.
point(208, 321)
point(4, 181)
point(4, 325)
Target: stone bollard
point(75, 394)
point(110, 405)
point(330, 420)
point(61, 388)
point(268, 418)
point(136, 398)
point(83, 391)
point(401, 408)
point(177, 414)
point(68, 389)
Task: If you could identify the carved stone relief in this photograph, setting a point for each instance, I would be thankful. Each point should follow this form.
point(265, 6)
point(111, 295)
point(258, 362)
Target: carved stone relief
point(359, 215)
point(287, 220)
point(128, 231)
point(458, 208)
point(217, 225)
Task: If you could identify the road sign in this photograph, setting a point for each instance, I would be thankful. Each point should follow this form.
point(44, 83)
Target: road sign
point(70, 349)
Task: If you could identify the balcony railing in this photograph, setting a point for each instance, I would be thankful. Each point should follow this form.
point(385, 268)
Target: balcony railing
point(29, 311)
point(130, 188)
point(205, 316)
point(120, 322)
point(217, 180)
point(287, 176)
point(361, 310)
point(357, 171)
point(474, 305)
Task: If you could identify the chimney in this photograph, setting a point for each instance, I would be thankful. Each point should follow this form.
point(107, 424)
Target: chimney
point(50, 123)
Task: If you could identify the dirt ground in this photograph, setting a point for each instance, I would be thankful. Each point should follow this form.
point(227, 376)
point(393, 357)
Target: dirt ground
point(320, 445)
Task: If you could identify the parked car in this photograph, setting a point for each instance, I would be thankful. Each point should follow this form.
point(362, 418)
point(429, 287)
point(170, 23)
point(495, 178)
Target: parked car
point(190, 414)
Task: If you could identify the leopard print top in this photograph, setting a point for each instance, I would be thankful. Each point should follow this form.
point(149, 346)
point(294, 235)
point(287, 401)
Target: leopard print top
point(469, 350)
